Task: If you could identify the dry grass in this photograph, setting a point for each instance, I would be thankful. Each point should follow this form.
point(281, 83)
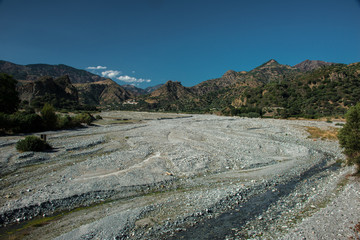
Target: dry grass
point(328, 134)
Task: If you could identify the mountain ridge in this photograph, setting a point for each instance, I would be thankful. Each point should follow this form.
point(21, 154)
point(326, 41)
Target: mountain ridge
point(92, 89)
point(310, 65)
point(272, 88)
point(307, 88)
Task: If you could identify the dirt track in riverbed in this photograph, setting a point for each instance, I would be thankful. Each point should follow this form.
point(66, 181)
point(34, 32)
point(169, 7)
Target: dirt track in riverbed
point(149, 175)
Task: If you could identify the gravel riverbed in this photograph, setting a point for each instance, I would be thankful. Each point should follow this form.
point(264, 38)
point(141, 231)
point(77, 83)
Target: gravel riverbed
point(173, 176)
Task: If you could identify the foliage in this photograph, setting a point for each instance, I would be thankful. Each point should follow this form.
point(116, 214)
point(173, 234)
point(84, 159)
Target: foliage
point(32, 143)
point(276, 91)
point(252, 112)
point(9, 100)
point(23, 122)
point(327, 91)
point(349, 136)
point(28, 121)
point(39, 101)
point(49, 117)
point(66, 122)
point(86, 118)
point(20, 122)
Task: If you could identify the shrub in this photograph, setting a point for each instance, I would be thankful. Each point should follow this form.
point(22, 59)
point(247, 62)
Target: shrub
point(84, 118)
point(349, 136)
point(20, 122)
point(66, 122)
point(32, 143)
point(98, 117)
point(49, 117)
point(23, 122)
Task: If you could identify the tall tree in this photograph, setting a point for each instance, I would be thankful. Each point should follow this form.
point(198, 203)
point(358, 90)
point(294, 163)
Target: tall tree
point(349, 136)
point(9, 99)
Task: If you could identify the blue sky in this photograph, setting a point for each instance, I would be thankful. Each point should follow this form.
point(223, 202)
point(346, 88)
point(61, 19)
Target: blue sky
point(147, 42)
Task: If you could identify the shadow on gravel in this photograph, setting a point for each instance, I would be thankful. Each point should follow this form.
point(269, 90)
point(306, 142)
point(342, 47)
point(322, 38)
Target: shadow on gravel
point(223, 225)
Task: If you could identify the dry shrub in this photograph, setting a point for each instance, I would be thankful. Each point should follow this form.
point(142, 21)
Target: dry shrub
point(328, 134)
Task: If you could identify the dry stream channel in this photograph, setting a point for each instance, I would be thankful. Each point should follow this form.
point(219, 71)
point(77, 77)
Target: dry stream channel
point(169, 176)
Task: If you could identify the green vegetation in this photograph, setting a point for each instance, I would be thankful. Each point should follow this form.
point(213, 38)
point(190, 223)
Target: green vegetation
point(49, 117)
point(274, 91)
point(86, 118)
point(20, 122)
point(250, 112)
point(9, 100)
point(349, 136)
point(32, 143)
point(327, 91)
point(28, 121)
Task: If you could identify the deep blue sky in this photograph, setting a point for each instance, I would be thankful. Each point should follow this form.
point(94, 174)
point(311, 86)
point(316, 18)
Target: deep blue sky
point(152, 41)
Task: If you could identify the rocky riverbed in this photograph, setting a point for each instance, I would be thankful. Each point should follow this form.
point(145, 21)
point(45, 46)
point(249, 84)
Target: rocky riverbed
point(172, 176)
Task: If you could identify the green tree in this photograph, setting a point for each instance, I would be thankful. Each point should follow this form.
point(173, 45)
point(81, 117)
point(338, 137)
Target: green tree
point(49, 117)
point(9, 99)
point(349, 136)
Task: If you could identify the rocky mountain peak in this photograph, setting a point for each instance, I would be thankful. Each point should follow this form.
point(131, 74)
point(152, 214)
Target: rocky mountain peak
point(229, 73)
point(309, 65)
point(171, 90)
point(272, 61)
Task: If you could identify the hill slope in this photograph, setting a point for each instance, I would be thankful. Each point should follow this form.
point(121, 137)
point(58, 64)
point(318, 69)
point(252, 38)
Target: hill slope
point(311, 88)
point(92, 89)
point(32, 72)
point(59, 92)
point(309, 65)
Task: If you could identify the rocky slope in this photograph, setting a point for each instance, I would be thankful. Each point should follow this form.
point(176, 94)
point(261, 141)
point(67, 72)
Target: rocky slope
point(309, 65)
point(91, 89)
point(140, 91)
point(32, 72)
point(310, 89)
point(102, 93)
point(58, 88)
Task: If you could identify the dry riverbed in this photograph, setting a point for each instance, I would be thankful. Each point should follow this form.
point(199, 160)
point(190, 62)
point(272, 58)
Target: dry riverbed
point(172, 176)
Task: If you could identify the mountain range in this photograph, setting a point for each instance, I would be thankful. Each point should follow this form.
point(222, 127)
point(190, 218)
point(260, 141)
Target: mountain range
point(91, 88)
point(308, 88)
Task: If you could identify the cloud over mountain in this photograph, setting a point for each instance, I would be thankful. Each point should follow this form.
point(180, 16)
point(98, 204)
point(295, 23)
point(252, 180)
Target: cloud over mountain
point(129, 79)
point(97, 68)
point(111, 73)
point(117, 75)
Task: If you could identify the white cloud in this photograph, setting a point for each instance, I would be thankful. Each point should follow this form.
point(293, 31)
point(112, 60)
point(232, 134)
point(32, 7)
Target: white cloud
point(97, 68)
point(129, 79)
point(111, 73)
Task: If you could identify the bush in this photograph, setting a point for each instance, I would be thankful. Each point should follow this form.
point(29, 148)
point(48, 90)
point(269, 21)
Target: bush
point(23, 122)
point(20, 122)
point(349, 136)
point(98, 117)
point(32, 143)
point(49, 117)
point(84, 118)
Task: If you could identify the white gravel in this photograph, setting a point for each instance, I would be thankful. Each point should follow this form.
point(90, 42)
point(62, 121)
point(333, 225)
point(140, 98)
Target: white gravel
point(163, 175)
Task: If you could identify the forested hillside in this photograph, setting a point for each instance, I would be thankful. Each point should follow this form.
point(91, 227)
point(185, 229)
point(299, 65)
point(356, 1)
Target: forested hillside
point(310, 89)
